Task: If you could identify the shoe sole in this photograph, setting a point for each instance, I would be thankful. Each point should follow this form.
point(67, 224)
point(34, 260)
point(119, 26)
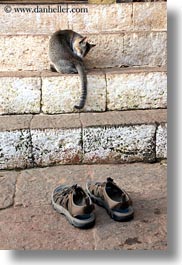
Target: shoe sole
point(117, 216)
point(86, 223)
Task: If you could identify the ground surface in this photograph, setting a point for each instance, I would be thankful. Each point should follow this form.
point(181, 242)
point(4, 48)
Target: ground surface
point(28, 221)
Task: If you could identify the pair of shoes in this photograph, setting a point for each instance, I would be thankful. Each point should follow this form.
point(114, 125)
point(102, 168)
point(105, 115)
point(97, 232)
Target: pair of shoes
point(77, 204)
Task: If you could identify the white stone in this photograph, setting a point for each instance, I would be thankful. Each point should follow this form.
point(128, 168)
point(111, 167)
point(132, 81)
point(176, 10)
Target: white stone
point(119, 144)
point(15, 149)
point(62, 92)
point(161, 141)
point(59, 146)
point(19, 95)
point(136, 90)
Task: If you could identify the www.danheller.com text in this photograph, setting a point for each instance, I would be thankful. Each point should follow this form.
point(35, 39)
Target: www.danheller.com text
point(47, 9)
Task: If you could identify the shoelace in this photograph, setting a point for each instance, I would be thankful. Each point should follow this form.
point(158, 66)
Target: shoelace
point(102, 184)
point(64, 193)
point(69, 190)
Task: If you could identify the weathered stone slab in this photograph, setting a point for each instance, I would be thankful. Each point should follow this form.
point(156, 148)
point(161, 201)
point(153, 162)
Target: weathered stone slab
point(15, 149)
point(15, 122)
point(20, 95)
point(24, 52)
point(41, 228)
point(31, 19)
point(136, 90)
point(101, 1)
point(126, 89)
point(150, 16)
point(42, 181)
point(52, 146)
point(119, 144)
point(62, 121)
point(123, 118)
point(128, 49)
point(161, 141)
point(61, 93)
point(108, 51)
point(145, 48)
point(112, 50)
point(106, 137)
point(35, 20)
point(7, 188)
point(91, 21)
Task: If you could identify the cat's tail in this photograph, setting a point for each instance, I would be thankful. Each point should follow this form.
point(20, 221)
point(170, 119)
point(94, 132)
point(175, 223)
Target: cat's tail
point(81, 71)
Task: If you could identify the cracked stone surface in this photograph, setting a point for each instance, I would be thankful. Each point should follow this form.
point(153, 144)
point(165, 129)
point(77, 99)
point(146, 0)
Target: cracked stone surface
point(32, 223)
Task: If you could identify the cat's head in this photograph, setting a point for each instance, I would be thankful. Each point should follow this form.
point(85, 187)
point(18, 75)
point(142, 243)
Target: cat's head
point(81, 47)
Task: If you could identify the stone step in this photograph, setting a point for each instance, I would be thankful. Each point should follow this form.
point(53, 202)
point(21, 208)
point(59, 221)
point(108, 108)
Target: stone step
point(86, 138)
point(38, 19)
point(30, 52)
point(53, 93)
point(132, 38)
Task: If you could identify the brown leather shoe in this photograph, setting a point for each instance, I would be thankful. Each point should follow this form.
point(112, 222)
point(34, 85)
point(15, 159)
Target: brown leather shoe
point(75, 204)
point(115, 200)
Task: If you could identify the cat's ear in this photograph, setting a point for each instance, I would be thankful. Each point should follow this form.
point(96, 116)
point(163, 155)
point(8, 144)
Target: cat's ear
point(82, 40)
point(92, 45)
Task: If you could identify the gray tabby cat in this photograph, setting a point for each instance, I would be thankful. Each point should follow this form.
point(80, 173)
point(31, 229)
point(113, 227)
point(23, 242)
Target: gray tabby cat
point(66, 51)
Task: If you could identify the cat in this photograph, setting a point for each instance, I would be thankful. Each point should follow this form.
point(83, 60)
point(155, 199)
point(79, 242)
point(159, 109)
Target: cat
point(66, 52)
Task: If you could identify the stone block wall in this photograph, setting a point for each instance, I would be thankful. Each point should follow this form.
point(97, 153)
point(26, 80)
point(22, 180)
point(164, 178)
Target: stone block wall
point(135, 37)
point(52, 93)
point(124, 119)
point(89, 138)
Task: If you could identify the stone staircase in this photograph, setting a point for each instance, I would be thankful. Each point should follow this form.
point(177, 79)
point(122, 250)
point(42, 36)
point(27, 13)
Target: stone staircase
point(124, 119)
point(121, 133)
